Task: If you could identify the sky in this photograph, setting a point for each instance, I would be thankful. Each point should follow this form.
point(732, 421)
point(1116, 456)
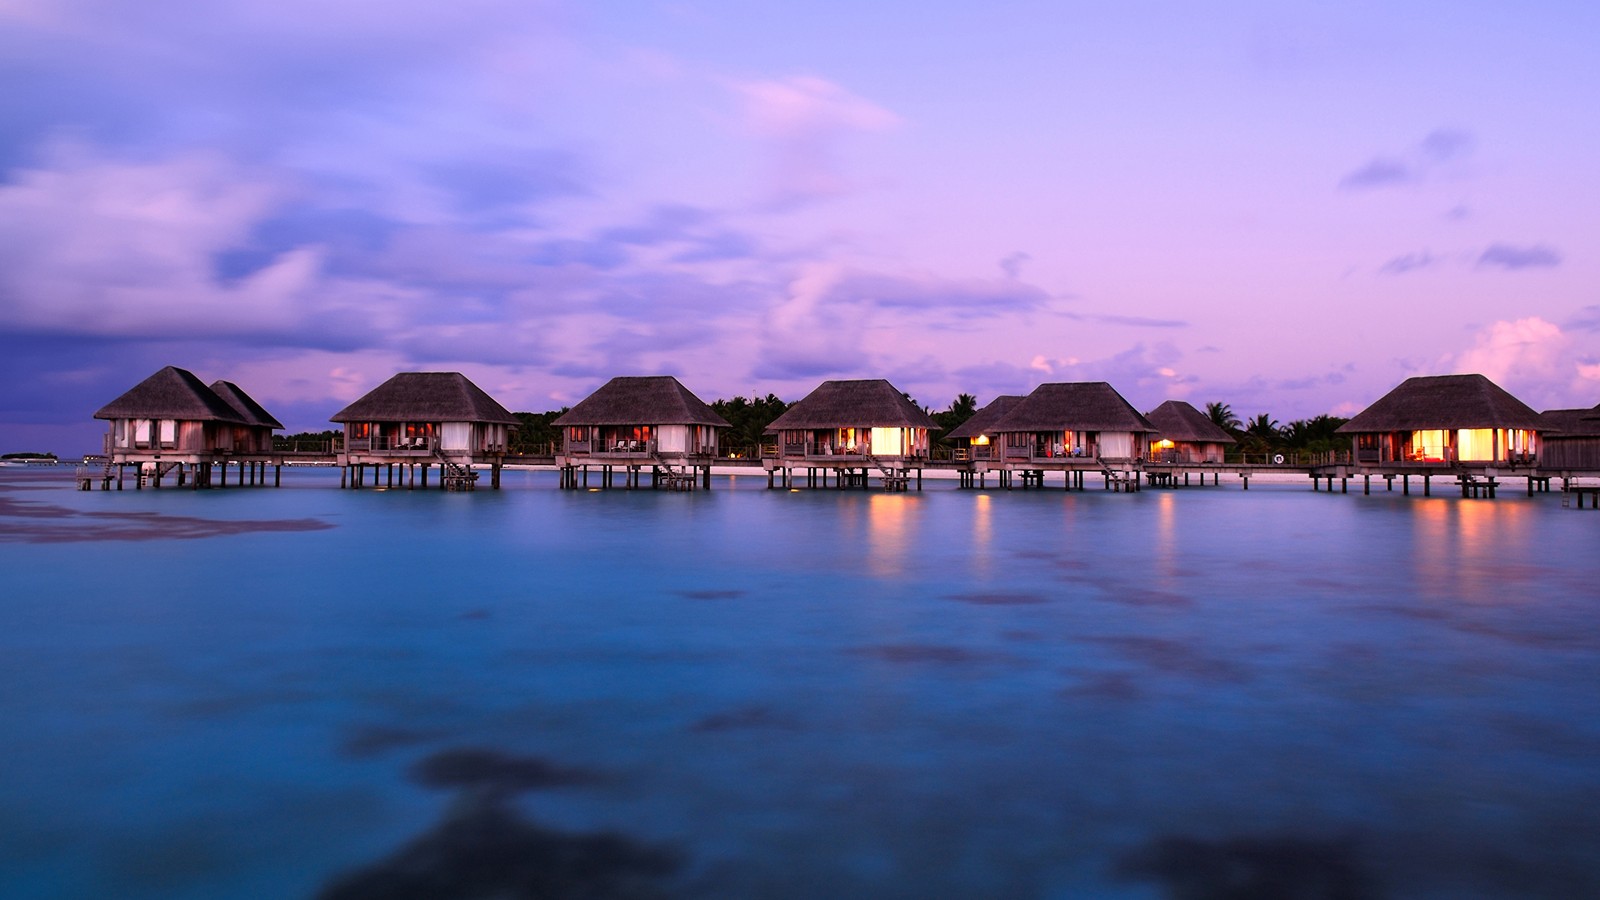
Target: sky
point(1286, 207)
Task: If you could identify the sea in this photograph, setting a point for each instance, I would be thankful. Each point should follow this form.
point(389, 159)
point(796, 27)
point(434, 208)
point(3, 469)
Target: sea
point(1196, 693)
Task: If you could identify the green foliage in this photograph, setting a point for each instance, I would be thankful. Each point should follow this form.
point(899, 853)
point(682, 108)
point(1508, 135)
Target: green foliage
point(1222, 415)
point(332, 438)
point(1315, 434)
point(536, 436)
point(27, 456)
point(749, 418)
point(1261, 435)
point(960, 410)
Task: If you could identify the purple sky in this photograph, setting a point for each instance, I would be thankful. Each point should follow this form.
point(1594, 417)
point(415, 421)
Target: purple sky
point(1286, 207)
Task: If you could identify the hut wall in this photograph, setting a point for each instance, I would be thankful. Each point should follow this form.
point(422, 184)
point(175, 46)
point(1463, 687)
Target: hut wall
point(1570, 453)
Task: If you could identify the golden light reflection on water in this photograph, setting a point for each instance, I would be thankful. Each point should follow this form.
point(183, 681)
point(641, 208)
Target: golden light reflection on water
point(887, 534)
point(982, 533)
point(1166, 535)
point(1457, 548)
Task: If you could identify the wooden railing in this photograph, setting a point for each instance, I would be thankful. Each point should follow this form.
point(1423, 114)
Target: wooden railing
point(816, 450)
point(393, 444)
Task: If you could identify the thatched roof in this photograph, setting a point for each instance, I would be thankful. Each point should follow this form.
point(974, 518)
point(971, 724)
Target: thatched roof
point(426, 397)
point(171, 393)
point(1178, 421)
point(873, 403)
point(243, 404)
point(991, 413)
point(1073, 406)
point(647, 400)
point(1444, 402)
point(1570, 422)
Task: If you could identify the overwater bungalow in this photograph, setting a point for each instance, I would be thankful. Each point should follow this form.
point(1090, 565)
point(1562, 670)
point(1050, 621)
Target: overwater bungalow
point(173, 424)
point(254, 433)
point(634, 423)
point(419, 419)
point(1073, 427)
point(849, 429)
point(1442, 421)
point(974, 438)
point(1186, 435)
point(1569, 441)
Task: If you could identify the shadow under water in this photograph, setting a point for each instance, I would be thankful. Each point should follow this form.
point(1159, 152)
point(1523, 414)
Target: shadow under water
point(483, 847)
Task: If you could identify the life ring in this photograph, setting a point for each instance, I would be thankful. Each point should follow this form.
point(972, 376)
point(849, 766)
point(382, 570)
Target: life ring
point(1278, 459)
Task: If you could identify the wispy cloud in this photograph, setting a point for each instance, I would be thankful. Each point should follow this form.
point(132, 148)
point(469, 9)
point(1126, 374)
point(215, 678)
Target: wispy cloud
point(1514, 257)
point(804, 120)
point(1587, 319)
point(1435, 151)
point(1381, 172)
point(1012, 264)
point(1409, 262)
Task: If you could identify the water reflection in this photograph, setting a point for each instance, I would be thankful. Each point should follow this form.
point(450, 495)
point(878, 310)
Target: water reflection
point(1166, 531)
point(888, 534)
point(1463, 550)
point(982, 534)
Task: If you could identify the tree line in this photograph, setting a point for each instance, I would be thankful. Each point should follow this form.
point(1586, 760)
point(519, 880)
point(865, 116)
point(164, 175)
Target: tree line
point(1263, 434)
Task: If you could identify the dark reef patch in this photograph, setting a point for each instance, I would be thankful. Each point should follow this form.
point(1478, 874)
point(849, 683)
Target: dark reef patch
point(367, 741)
point(1021, 598)
point(926, 653)
point(493, 772)
point(742, 718)
point(482, 849)
point(1175, 657)
point(1538, 640)
point(42, 523)
point(1115, 686)
point(712, 594)
point(1248, 868)
point(1143, 597)
point(1420, 613)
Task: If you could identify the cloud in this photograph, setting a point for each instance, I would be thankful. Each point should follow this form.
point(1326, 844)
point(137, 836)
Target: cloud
point(1410, 262)
point(804, 108)
point(1587, 319)
point(1446, 144)
point(804, 121)
point(1380, 172)
point(1426, 160)
point(1142, 373)
point(806, 334)
point(1534, 360)
point(1132, 321)
point(1012, 264)
point(959, 297)
point(117, 248)
point(498, 184)
point(1513, 257)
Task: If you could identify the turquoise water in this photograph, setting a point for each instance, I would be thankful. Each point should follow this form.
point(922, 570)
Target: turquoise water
point(1202, 693)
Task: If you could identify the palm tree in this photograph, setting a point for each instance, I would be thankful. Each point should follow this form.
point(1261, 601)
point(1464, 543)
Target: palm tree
point(1222, 415)
point(963, 407)
point(1261, 435)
